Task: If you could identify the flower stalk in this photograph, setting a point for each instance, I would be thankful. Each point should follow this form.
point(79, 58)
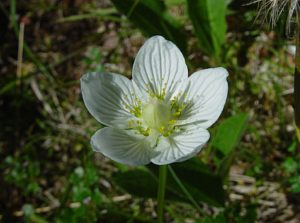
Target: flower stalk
point(297, 82)
point(163, 170)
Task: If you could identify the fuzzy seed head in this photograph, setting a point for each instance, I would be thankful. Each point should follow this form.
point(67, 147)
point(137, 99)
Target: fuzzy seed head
point(271, 10)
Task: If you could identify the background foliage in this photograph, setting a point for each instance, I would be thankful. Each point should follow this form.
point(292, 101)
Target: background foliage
point(248, 172)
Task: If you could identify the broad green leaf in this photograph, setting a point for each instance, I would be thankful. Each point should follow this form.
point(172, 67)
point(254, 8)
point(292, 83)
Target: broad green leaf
point(141, 183)
point(229, 133)
point(202, 183)
point(226, 138)
point(137, 182)
point(208, 18)
point(151, 17)
point(198, 179)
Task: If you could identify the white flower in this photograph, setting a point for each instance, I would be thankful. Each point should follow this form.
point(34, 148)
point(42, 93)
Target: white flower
point(159, 116)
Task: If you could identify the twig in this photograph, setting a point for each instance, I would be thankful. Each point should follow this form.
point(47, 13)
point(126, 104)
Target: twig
point(46, 209)
point(36, 90)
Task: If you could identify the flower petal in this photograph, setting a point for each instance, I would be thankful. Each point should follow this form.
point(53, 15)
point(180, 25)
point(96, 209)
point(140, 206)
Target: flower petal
point(109, 98)
point(123, 146)
point(180, 146)
point(205, 97)
point(159, 68)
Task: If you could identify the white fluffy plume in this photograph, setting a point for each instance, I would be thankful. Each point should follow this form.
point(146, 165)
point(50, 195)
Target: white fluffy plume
point(271, 10)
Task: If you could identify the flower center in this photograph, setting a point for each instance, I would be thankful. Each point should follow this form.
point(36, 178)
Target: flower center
point(157, 114)
point(156, 117)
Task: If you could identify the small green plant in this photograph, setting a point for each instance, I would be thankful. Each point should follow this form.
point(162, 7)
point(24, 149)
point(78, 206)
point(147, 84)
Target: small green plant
point(92, 60)
point(22, 172)
point(84, 183)
point(82, 195)
point(291, 167)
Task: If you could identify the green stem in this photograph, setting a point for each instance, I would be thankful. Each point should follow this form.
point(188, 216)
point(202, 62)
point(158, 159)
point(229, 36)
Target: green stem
point(161, 192)
point(297, 83)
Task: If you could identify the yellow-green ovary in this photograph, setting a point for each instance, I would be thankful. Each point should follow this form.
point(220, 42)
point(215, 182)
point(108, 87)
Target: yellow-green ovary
point(157, 114)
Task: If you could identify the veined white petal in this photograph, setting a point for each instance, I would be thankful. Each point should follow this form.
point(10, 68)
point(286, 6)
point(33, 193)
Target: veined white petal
point(205, 97)
point(123, 146)
point(180, 146)
point(109, 98)
point(159, 68)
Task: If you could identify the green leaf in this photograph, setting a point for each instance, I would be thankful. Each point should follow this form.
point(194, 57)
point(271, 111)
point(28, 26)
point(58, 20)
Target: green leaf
point(141, 183)
point(137, 182)
point(28, 209)
point(201, 183)
point(208, 18)
point(229, 133)
point(295, 184)
point(226, 138)
point(290, 165)
point(151, 17)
